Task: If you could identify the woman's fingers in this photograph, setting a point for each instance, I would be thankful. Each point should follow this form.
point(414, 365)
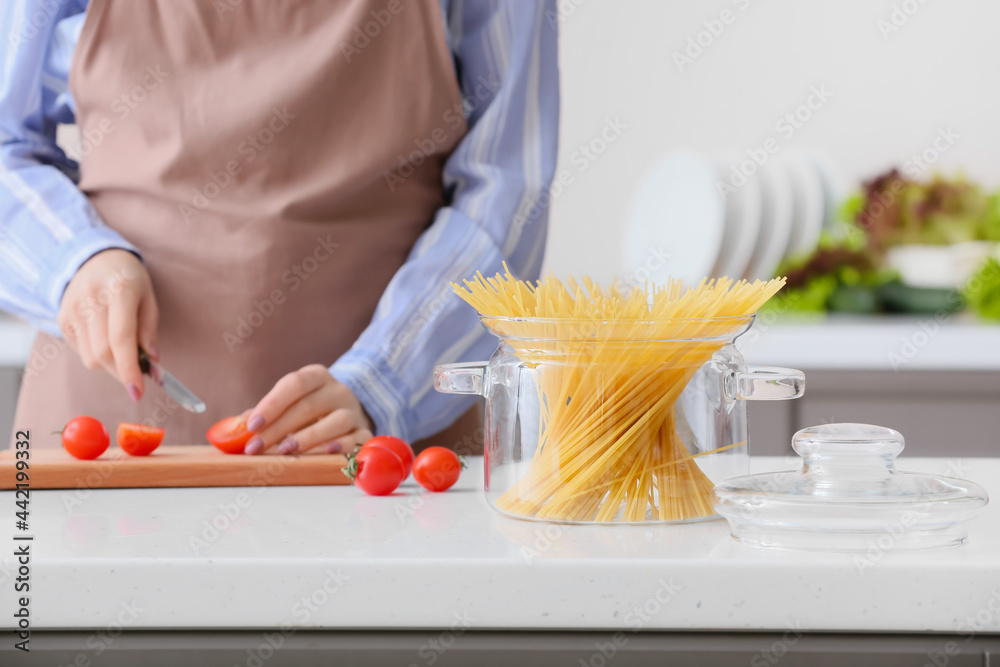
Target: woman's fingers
point(300, 414)
point(97, 332)
point(123, 342)
point(346, 444)
point(286, 393)
point(69, 329)
point(81, 342)
point(107, 310)
point(306, 409)
point(149, 320)
point(336, 433)
point(336, 425)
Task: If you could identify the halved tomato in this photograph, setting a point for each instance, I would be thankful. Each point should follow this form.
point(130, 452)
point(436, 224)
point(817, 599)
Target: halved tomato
point(229, 434)
point(139, 439)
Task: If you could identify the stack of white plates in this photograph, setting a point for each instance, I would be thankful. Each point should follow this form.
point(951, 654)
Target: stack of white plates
point(693, 217)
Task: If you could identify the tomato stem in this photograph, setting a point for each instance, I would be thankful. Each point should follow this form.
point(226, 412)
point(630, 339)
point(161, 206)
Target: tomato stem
point(353, 466)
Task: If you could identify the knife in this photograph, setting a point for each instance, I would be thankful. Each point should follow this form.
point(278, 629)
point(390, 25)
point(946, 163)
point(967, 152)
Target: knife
point(174, 388)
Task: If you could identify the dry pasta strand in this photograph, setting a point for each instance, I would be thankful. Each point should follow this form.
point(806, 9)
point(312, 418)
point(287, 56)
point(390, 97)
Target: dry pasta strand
point(608, 366)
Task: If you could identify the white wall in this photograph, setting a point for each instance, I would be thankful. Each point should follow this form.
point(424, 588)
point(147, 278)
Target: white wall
point(889, 95)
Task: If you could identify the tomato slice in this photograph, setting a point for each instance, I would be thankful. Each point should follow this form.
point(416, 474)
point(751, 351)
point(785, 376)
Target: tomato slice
point(85, 438)
point(139, 439)
point(229, 435)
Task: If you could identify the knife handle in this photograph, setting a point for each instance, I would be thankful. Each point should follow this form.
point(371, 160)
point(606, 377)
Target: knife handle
point(144, 361)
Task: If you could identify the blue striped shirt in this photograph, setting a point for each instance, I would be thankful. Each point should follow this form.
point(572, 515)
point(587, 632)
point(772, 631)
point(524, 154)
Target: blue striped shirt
point(497, 175)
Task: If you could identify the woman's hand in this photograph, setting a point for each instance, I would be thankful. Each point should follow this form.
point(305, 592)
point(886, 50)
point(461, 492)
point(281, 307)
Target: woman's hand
point(307, 409)
point(107, 312)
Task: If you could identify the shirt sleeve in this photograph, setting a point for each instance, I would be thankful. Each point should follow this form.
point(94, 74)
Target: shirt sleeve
point(499, 175)
point(48, 228)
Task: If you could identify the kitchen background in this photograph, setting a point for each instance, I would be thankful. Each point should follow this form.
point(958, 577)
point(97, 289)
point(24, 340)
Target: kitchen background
point(891, 91)
point(645, 79)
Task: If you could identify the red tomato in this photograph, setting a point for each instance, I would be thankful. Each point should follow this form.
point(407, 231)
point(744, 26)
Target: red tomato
point(85, 438)
point(229, 434)
point(376, 471)
point(398, 447)
point(139, 439)
point(437, 468)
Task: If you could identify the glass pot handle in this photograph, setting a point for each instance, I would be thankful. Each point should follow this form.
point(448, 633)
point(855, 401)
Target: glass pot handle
point(464, 378)
point(767, 383)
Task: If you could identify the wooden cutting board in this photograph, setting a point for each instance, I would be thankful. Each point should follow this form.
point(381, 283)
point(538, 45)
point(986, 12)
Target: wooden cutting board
point(174, 466)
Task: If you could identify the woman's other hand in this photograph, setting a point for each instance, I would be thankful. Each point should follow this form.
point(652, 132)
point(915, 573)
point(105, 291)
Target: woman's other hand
point(107, 312)
point(307, 409)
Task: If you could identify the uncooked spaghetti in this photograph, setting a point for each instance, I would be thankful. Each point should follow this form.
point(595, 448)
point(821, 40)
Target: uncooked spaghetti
point(609, 366)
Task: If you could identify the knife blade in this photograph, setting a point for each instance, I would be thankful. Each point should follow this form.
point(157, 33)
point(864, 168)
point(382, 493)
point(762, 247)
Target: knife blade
point(175, 388)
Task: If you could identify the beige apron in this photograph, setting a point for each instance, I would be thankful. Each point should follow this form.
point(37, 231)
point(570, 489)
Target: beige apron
point(246, 148)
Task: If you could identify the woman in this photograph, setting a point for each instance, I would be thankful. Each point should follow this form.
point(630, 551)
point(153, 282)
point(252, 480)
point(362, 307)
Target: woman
point(272, 200)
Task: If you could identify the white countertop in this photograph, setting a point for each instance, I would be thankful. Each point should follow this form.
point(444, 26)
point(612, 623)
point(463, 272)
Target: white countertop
point(874, 343)
point(831, 342)
point(332, 557)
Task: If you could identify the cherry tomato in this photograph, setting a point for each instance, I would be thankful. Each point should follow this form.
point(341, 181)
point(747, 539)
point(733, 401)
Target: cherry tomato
point(398, 447)
point(139, 439)
point(437, 468)
point(376, 471)
point(229, 434)
point(85, 438)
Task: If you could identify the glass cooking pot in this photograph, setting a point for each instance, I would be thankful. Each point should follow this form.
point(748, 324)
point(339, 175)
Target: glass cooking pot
point(607, 422)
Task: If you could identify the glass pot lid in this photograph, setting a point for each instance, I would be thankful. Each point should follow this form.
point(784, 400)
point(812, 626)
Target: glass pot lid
point(848, 496)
